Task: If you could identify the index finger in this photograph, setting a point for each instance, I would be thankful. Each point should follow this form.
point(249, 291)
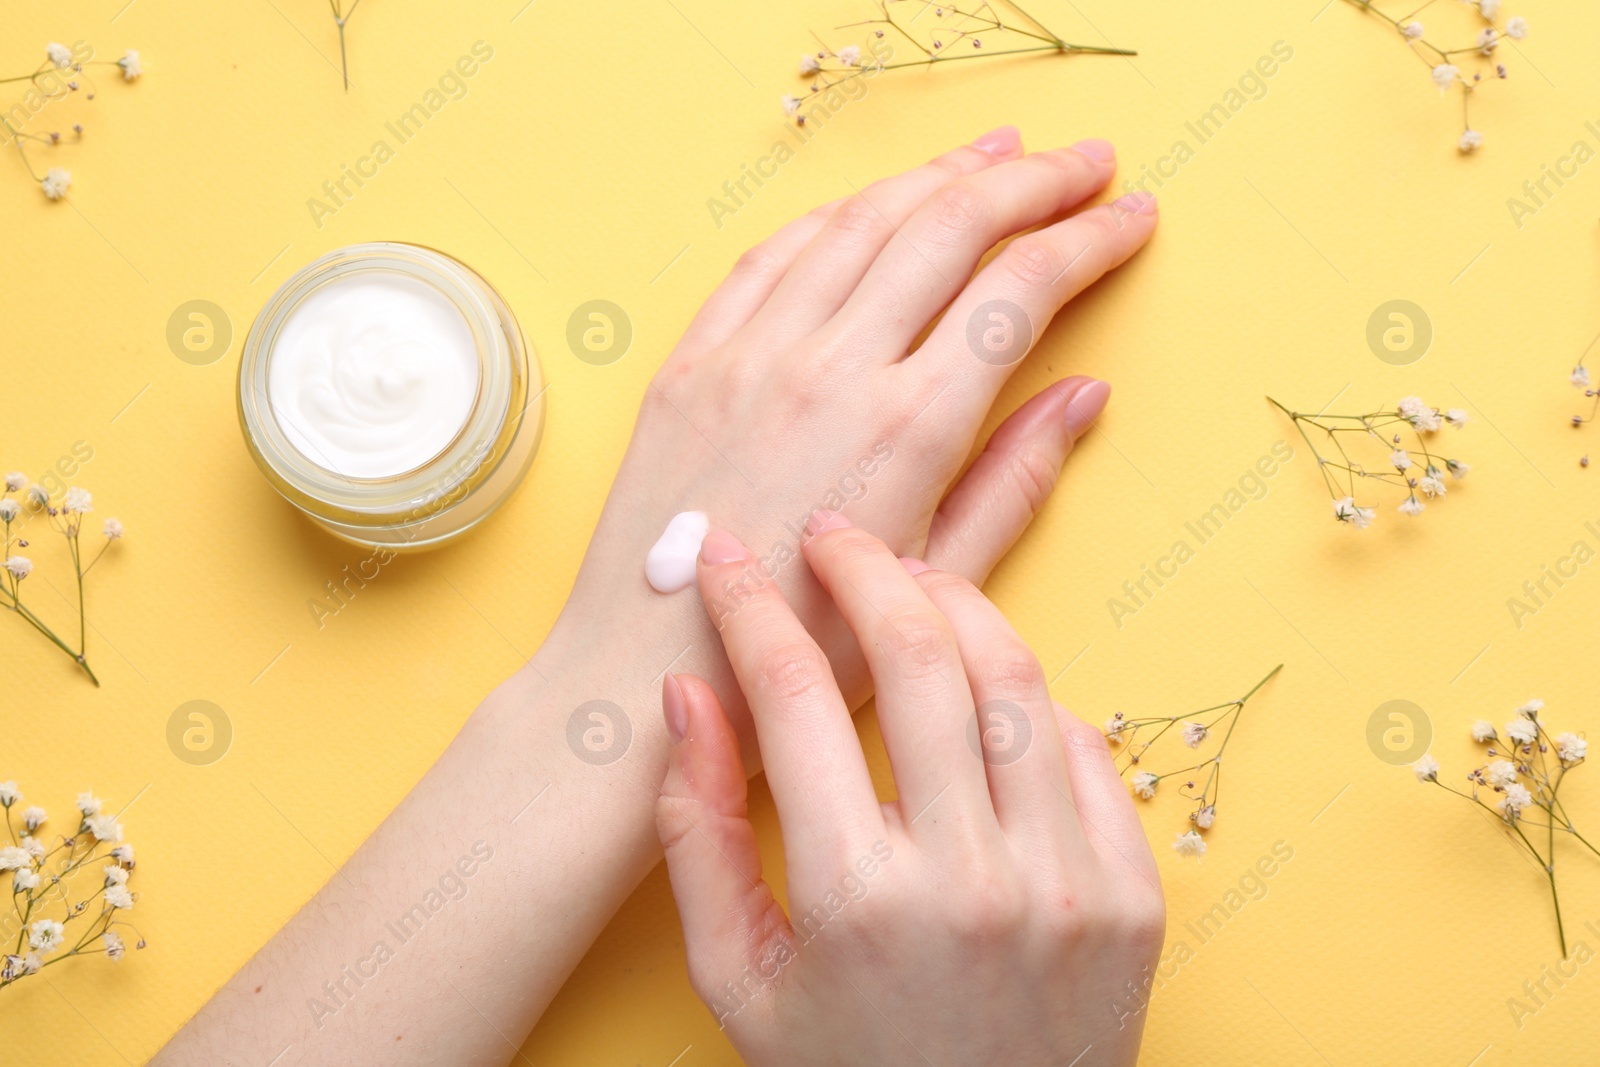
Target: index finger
point(809, 748)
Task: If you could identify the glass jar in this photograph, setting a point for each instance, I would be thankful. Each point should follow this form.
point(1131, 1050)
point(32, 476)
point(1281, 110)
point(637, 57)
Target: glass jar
point(460, 485)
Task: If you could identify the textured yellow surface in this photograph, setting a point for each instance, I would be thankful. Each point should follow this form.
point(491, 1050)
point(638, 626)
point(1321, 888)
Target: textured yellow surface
point(578, 166)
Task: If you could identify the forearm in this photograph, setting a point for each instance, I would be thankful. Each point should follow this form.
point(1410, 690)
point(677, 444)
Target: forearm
point(447, 933)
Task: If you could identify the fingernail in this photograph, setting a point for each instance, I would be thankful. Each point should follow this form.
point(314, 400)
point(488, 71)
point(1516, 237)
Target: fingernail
point(1085, 405)
point(721, 547)
point(674, 708)
point(1137, 202)
point(821, 522)
point(1096, 149)
point(1002, 142)
point(914, 566)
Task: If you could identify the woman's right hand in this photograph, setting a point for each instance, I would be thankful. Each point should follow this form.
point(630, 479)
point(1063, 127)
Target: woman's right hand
point(996, 912)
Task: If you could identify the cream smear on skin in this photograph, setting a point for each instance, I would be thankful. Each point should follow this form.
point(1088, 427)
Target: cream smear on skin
point(670, 564)
point(373, 375)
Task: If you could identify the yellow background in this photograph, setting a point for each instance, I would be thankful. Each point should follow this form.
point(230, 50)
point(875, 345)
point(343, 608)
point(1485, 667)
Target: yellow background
point(578, 167)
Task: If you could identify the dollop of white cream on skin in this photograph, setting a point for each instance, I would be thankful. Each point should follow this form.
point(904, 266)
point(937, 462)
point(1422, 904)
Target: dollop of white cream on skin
point(373, 374)
point(670, 564)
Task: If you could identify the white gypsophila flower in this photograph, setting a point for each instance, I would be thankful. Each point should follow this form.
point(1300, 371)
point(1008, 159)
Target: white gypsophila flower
point(1488, 40)
point(1517, 28)
point(1516, 800)
point(1580, 377)
point(1412, 30)
point(850, 55)
point(1114, 728)
point(60, 55)
point(31, 963)
point(131, 66)
point(1458, 469)
point(1206, 817)
point(24, 880)
point(791, 105)
point(9, 509)
point(123, 854)
point(1571, 748)
point(1531, 709)
point(1194, 733)
point(1500, 773)
point(1426, 769)
point(77, 499)
point(1418, 414)
point(1190, 843)
point(33, 817)
point(115, 875)
point(16, 481)
point(1400, 458)
point(114, 946)
point(19, 566)
point(55, 183)
point(1483, 730)
point(1470, 141)
point(44, 936)
point(1522, 731)
point(105, 827)
point(1457, 417)
point(1489, 8)
point(33, 847)
point(1144, 784)
point(88, 803)
point(9, 793)
point(38, 496)
point(809, 64)
point(1411, 506)
point(10, 967)
point(118, 896)
point(1432, 486)
point(1444, 75)
point(14, 857)
point(1345, 510)
point(113, 529)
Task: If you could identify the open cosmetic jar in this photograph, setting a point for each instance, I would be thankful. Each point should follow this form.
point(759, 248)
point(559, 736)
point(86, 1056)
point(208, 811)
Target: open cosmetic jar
point(386, 391)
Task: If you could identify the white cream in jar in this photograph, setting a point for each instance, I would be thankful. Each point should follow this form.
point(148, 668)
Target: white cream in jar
point(386, 391)
point(373, 374)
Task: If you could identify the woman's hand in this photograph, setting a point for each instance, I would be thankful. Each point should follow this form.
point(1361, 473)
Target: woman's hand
point(811, 379)
point(994, 913)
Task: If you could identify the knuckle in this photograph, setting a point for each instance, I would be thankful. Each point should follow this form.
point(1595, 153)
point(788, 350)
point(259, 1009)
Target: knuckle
point(958, 207)
point(1140, 918)
point(991, 911)
point(917, 643)
point(856, 218)
point(1010, 670)
point(949, 164)
point(1033, 262)
point(673, 822)
point(1033, 475)
point(760, 262)
point(792, 672)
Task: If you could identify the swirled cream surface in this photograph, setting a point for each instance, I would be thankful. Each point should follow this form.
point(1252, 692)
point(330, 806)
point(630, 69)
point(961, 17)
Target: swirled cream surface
point(373, 374)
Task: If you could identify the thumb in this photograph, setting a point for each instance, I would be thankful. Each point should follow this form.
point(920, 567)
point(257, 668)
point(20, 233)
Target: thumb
point(736, 935)
point(988, 509)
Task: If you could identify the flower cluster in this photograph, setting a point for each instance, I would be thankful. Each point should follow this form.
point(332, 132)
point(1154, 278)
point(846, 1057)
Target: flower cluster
point(62, 73)
point(1194, 729)
point(22, 504)
point(1519, 785)
point(1418, 471)
point(965, 29)
point(81, 879)
point(1444, 64)
point(1580, 380)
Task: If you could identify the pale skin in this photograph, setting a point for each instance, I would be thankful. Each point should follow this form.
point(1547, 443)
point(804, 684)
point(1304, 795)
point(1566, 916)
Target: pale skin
point(804, 382)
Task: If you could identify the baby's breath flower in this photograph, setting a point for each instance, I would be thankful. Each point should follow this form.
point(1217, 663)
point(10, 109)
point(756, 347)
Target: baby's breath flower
point(19, 566)
point(791, 105)
point(77, 499)
point(33, 846)
point(24, 880)
point(131, 66)
point(1345, 510)
point(123, 854)
point(1522, 731)
point(850, 55)
point(1517, 28)
point(1190, 843)
point(1531, 709)
point(9, 794)
point(59, 54)
point(1144, 784)
point(1114, 728)
point(115, 875)
point(113, 529)
point(1580, 377)
point(14, 857)
point(1500, 773)
point(1426, 769)
point(1483, 730)
point(1412, 30)
point(55, 183)
point(1471, 141)
point(809, 65)
point(104, 827)
point(1489, 8)
point(118, 896)
point(1410, 506)
point(1194, 733)
point(1432, 486)
point(1400, 459)
point(1444, 75)
point(1571, 748)
point(33, 817)
point(1206, 817)
point(38, 496)
point(1458, 469)
point(114, 946)
point(88, 803)
point(1418, 414)
point(9, 509)
point(15, 481)
point(45, 936)
point(1457, 417)
point(1488, 40)
point(1516, 800)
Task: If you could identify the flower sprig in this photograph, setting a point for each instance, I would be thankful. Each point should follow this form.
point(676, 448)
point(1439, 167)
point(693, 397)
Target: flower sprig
point(1522, 776)
point(1194, 728)
point(1444, 63)
point(57, 885)
point(341, 16)
point(63, 72)
point(1417, 470)
point(1580, 380)
point(19, 505)
point(965, 29)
